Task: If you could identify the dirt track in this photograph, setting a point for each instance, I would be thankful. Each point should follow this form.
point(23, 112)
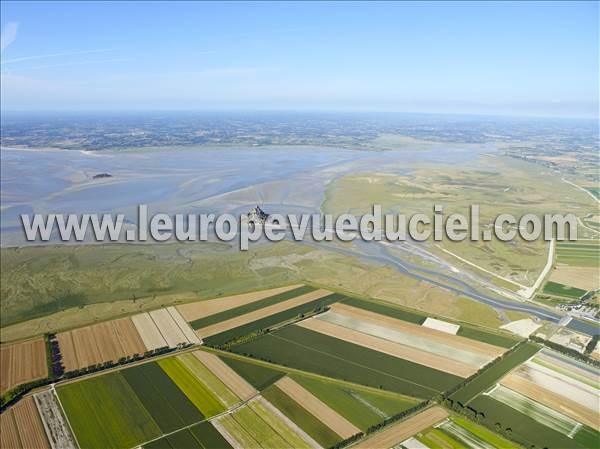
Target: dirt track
point(389, 347)
point(21, 363)
point(397, 433)
point(261, 313)
point(317, 408)
point(201, 309)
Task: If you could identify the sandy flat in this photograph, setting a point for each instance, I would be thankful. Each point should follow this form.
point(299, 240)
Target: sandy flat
point(396, 433)
point(389, 347)
point(148, 331)
point(229, 377)
point(185, 328)
point(553, 400)
point(21, 363)
point(317, 408)
point(201, 309)
point(433, 334)
point(261, 313)
point(168, 327)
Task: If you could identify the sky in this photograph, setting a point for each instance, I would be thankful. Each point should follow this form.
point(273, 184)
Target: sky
point(517, 58)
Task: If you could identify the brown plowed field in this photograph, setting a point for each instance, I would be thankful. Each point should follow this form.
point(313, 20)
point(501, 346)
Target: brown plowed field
point(201, 309)
point(21, 363)
point(99, 343)
point(21, 427)
point(260, 313)
point(317, 408)
point(397, 433)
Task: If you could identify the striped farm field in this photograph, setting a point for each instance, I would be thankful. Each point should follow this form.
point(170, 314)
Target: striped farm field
point(301, 417)
point(212, 382)
point(494, 373)
point(557, 390)
point(386, 340)
point(396, 433)
point(195, 390)
point(104, 411)
point(21, 363)
point(524, 428)
point(163, 327)
point(581, 253)
point(21, 427)
point(332, 419)
point(303, 349)
point(472, 435)
point(224, 331)
point(258, 424)
point(259, 376)
point(248, 307)
point(234, 382)
point(363, 407)
point(389, 310)
point(99, 343)
point(202, 309)
point(199, 436)
point(169, 407)
point(545, 415)
point(554, 288)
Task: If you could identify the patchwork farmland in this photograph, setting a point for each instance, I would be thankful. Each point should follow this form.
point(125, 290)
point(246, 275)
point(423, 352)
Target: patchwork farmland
point(305, 367)
point(112, 340)
point(21, 363)
point(547, 399)
point(376, 345)
point(576, 270)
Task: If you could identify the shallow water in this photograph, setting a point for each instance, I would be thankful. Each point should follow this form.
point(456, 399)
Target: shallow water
point(200, 180)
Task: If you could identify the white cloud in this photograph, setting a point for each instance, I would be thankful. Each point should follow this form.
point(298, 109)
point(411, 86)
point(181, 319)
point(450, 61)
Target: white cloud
point(8, 36)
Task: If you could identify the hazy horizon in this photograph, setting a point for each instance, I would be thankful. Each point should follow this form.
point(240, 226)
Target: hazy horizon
point(504, 59)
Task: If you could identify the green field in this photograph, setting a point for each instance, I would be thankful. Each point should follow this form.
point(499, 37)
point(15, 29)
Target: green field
point(503, 341)
point(581, 253)
point(311, 351)
point(554, 288)
point(482, 433)
point(523, 428)
point(105, 412)
point(199, 436)
point(258, 429)
point(492, 374)
point(362, 408)
point(166, 403)
point(249, 307)
point(212, 382)
point(259, 376)
point(387, 309)
point(272, 320)
point(438, 439)
point(274, 420)
point(299, 415)
point(201, 396)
